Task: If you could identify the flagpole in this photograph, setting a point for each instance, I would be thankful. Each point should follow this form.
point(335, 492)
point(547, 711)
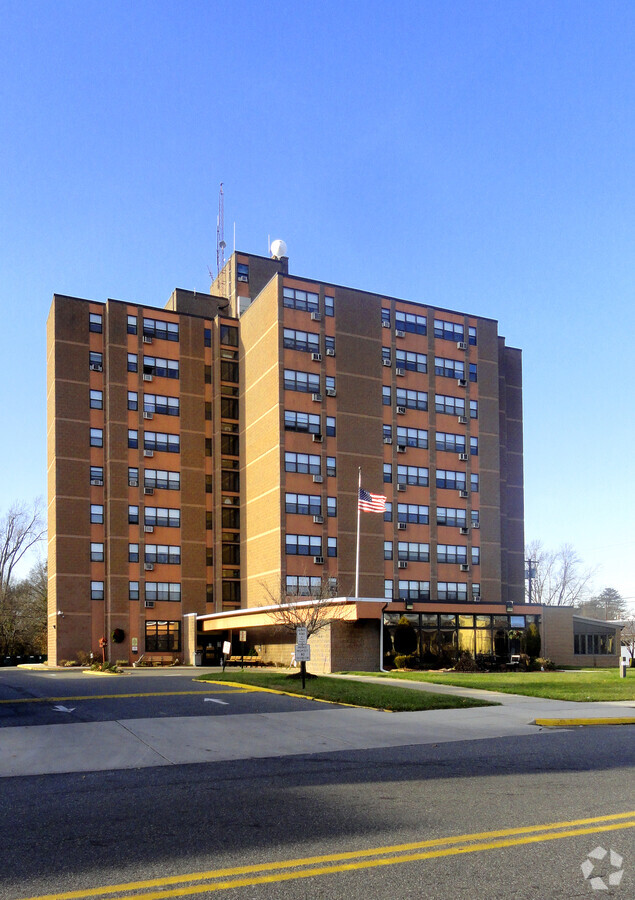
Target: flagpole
point(359, 485)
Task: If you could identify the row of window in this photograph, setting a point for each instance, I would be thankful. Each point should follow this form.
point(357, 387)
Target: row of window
point(420, 476)
point(308, 422)
point(307, 300)
point(156, 590)
point(155, 440)
point(409, 399)
point(306, 341)
point(309, 545)
point(155, 516)
point(154, 403)
point(154, 365)
point(420, 590)
point(417, 324)
point(417, 552)
point(309, 504)
point(307, 382)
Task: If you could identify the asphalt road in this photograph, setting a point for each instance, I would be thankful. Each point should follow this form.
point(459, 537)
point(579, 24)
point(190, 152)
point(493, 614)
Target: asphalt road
point(324, 825)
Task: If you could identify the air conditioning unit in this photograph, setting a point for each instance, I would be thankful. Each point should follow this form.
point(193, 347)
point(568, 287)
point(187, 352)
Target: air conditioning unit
point(331, 392)
point(399, 333)
point(96, 367)
point(149, 604)
point(401, 526)
point(330, 351)
point(464, 567)
point(402, 564)
point(476, 524)
point(317, 438)
point(385, 324)
point(317, 398)
point(148, 415)
point(319, 520)
point(462, 420)
point(318, 560)
point(461, 382)
point(98, 482)
point(149, 567)
point(147, 339)
point(148, 529)
point(318, 479)
point(316, 317)
point(463, 457)
point(147, 490)
point(387, 440)
point(133, 483)
point(400, 372)
point(401, 448)
point(464, 530)
point(387, 362)
point(401, 410)
point(401, 487)
point(463, 494)
point(461, 345)
point(147, 376)
point(316, 357)
point(148, 452)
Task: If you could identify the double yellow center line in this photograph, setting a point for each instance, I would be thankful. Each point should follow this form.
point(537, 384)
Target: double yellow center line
point(314, 866)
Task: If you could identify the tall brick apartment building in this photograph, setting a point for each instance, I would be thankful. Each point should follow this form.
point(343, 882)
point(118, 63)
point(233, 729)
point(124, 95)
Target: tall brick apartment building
point(205, 456)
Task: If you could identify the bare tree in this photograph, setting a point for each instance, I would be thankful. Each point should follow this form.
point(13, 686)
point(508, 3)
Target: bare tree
point(23, 614)
point(21, 529)
point(557, 576)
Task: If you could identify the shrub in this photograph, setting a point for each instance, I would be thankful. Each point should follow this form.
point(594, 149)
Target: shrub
point(68, 663)
point(121, 662)
point(407, 661)
point(83, 658)
point(547, 664)
point(532, 641)
point(465, 663)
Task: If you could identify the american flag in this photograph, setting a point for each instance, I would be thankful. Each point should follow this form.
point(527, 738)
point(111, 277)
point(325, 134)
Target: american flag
point(371, 502)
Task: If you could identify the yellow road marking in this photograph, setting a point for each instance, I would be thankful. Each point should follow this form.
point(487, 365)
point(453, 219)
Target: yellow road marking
point(266, 690)
point(231, 690)
point(360, 859)
point(621, 720)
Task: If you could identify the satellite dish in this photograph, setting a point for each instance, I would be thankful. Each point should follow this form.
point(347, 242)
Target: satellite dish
point(278, 249)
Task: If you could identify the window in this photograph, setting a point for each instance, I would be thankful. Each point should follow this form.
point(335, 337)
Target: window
point(476, 592)
point(208, 374)
point(387, 473)
point(162, 368)
point(306, 300)
point(452, 406)
point(161, 478)
point(473, 446)
point(474, 516)
point(207, 337)
point(329, 305)
point(163, 554)
point(228, 408)
point(133, 515)
point(451, 553)
point(95, 361)
point(472, 335)
point(305, 341)
point(303, 545)
point(413, 551)
point(133, 400)
point(133, 553)
point(330, 426)
point(303, 504)
point(473, 372)
point(166, 331)
point(132, 324)
point(450, 590)
point(449, 368)
point(410, 322)
point(162, 516)
point(387, 549)
point(229, 444)
point(476, 556)
point(412, 399)
point(96, 552)
point(133, 362)
point(329, 383)
point(229, 371)
point(385, 317)
point(163, 636)
point(299, 421)
point(414, 590)
point(452, 443)
point(304, 585)
point(474, 483)
point(133, 590)
point(157, 403)
point(331, 546)
point(159, 440)
point(331, 466)
point(97, 590)
point(329, 344)
point(388, 512)
point(302, 462)
point(133, 476)
point(388, 589)
point(307, 382)
point(96, 400)
point(413, 513)
point(96, 514)
point(413, 475)
point(242, 272)
point(331, 507)
point(473, 409)
point(412, 437)
point(451, 480)
point(96, 437)
point(163, 590)
point(133, 437)
point(453, 518)
point(385, 395)
point(448, 331)
point(414, 362)
point(94, 323)
point(96, 475)
point(387, 433)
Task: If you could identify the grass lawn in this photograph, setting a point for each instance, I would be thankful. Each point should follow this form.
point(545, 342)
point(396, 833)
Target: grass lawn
point(581, 685)
point(377, 696)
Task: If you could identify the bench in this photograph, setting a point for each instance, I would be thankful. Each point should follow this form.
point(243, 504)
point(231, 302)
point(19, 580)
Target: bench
point(148, 661)
point(244, 661)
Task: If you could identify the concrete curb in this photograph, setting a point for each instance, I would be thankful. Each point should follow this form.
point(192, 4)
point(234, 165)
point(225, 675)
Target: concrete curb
point(559, 723)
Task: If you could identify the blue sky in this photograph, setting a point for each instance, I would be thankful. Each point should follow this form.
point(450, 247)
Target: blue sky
point(476, 156)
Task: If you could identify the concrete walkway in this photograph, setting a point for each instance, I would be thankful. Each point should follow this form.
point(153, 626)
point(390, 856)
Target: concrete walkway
point(135, 743)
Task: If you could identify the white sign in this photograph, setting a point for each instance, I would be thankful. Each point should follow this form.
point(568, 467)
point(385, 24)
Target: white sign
point(302, 653)
point(227, 648)
point(242, 636)
point(301, 635)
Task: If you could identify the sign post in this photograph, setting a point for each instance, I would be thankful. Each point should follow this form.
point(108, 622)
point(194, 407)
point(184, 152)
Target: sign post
point(302, 651)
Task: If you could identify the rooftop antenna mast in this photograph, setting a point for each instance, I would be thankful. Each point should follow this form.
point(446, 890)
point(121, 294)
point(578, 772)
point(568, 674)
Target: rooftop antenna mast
point(220, 239)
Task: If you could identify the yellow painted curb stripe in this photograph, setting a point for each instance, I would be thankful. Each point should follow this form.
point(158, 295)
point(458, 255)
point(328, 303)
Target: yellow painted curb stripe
point(618, 720)
point(479, 841)
point(231, 690)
